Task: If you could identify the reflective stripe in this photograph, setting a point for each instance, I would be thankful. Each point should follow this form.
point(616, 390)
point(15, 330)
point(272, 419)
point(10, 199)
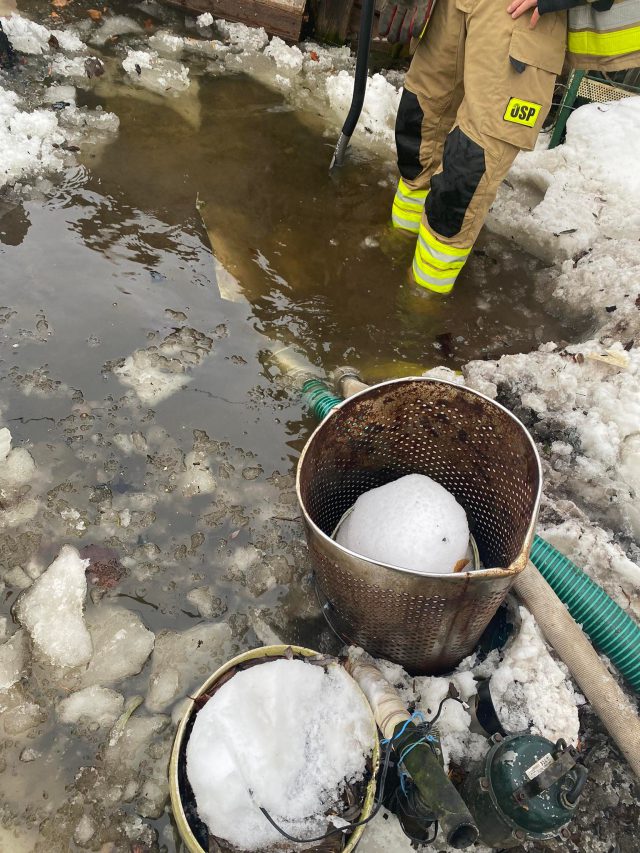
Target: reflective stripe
point(439, 259)
point(623, 13)
point(425, 280)
point(435, 264)
point(604, 44)
point(406, 224)
point(407, 207)
point(437, 247)
point(413, 197)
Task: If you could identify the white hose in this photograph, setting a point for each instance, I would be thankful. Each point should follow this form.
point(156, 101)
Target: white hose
point(598, 685)
point(388, 709)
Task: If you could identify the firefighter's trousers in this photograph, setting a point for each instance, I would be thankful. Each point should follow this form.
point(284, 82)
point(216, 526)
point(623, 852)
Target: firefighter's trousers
point(478, 90)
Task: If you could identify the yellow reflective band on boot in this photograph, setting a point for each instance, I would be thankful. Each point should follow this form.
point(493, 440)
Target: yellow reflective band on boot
point(436, 265)
point(407, 207)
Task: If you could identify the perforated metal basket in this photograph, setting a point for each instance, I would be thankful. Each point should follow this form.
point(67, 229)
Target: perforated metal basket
point(473, 447)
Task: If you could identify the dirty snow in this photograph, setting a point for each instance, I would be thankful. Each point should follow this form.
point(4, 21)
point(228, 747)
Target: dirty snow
point(530, 690)
point(413, 523)
point(52, 611)
point(284, 736)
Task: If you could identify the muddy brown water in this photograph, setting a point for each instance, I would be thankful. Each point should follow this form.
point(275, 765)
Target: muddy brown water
point(111, 258)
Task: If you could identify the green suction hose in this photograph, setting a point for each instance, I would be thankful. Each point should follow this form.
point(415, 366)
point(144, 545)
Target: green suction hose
point(319, 399)
point(609, 628)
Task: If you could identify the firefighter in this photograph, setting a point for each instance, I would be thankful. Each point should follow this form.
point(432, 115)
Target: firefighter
point(477, 92)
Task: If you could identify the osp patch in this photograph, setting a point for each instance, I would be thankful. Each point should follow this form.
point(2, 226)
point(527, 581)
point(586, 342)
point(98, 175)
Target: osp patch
point(522, 112)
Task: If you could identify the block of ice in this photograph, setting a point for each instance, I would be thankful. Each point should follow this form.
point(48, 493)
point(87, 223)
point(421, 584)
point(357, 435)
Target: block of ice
point(413, 523)
point(92, 705)
point(52, 610)
point(121, 642)
point(284, 736)
point(183, 660)
point(13, 658)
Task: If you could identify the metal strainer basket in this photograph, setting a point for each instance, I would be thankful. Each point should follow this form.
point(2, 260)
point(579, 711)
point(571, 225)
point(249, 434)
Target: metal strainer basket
point(473, 447)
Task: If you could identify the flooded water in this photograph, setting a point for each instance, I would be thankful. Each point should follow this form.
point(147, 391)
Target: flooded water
point(191, 484)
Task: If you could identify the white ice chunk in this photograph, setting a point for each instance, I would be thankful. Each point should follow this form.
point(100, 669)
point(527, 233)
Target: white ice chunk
point(121, 642)
point(284, 736)
point(13, 659)
point(413, 523)
point(91, 705)
point(26, 36)
point(29, 141)
point(166, 43)
point(285, 57)
point(163, 76)
point(116, 25)
point(250, 39)
point(182, 660)
point(52, 610)
point(204, 20)
point(29, 37)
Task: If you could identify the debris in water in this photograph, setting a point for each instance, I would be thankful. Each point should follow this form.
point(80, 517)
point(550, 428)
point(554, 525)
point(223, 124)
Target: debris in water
point(105, 569)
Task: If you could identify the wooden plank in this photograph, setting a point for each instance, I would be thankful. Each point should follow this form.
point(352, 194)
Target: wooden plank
point(332, 18)
point(282, 18)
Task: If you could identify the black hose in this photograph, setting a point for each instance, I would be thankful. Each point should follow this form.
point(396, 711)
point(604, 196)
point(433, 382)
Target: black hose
point(360, 82)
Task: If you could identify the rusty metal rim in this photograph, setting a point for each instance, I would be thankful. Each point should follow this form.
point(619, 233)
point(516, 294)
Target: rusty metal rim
point(458, 577)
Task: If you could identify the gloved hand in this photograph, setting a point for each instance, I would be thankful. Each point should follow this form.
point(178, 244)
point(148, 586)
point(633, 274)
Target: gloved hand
point(401, 21)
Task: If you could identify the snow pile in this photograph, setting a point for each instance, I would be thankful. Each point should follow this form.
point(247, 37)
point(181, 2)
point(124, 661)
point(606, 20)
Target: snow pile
point(412, 523)
point(585, 190)
point(284, 736)
point(28, 37)
point(529, 689)
point(585, 412)
point(162, 76)
point(52, 611)
point(380, 104)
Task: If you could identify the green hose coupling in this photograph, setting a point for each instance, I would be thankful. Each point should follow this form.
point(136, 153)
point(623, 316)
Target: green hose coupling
point(319, 398)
